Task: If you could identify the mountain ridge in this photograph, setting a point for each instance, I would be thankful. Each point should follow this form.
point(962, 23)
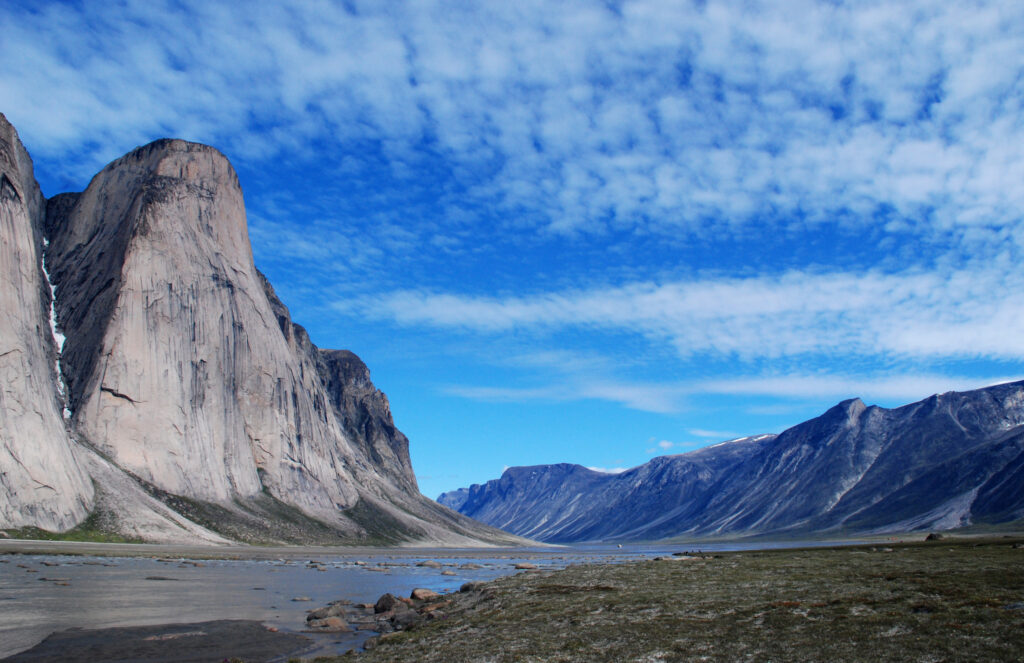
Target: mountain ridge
point(947, 461)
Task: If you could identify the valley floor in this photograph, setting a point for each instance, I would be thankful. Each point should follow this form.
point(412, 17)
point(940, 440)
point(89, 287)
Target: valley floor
point(949, 600)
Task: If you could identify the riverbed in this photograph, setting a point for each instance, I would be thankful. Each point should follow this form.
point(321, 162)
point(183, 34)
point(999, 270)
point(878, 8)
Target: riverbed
point(49, 587)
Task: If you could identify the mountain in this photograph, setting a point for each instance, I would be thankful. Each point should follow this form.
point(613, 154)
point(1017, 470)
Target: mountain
point(950, 460)
point(156, 386)
point(41, 482)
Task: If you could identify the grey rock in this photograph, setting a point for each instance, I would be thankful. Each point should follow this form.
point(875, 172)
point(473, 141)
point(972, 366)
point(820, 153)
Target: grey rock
point(421, 594)
point(190, 390)
point(176, 367)
point(329, 625)
point(405, 619)
point(386, 602)
point(333, 610)
point(41, 481)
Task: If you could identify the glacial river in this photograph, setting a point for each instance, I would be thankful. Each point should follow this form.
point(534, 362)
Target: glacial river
point(44, 593)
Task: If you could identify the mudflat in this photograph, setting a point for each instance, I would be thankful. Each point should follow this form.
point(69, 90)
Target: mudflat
point(948, 600)
point(172, 643)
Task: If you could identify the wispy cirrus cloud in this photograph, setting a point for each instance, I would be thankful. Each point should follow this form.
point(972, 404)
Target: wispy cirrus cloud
point(577, 118)
point(642, 203)
point(901, 387)
point(431, 130)
point(959, 313)
point(652, 397)
point(673, 397)
point(716, 434)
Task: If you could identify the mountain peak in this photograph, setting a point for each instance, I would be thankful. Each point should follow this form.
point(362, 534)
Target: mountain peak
point(183, 370)
point(179, 159)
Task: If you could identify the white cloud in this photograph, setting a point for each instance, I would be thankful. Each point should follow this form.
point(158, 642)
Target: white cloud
point(659, 398)
point(665, 446)
point(716, 434)
point(648, 117)
point(668, 120)
point(963, 313)
point(609, 470)
point(671, 397)
point(904, 388)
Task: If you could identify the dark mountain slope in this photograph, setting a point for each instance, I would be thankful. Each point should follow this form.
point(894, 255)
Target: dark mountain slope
point(947, 461)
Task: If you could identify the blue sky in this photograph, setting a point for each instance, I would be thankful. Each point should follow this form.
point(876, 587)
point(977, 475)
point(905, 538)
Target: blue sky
point(585, 231)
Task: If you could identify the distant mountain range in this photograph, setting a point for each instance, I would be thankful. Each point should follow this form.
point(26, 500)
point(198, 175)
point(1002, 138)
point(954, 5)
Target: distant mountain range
point(153, 386)
point(944, 462)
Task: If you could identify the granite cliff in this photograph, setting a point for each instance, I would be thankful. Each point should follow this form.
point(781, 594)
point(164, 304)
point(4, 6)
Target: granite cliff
point(41, 482)
point(183, 403)
point(951, 460)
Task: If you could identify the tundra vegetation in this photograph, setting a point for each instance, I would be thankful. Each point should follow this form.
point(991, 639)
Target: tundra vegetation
point(941, 600)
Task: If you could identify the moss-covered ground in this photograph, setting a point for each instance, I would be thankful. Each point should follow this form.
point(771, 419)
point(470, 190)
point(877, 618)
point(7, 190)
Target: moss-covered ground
point(950, 600)
point(94, 529)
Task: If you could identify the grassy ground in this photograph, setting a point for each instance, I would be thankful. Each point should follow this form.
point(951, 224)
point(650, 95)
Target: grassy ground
point(92, 529)
point(959, 600)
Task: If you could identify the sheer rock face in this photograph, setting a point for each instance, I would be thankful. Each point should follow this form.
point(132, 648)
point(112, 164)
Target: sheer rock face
point(366, 414)
point(177, 368)
point(191, 396)
point(41, 483)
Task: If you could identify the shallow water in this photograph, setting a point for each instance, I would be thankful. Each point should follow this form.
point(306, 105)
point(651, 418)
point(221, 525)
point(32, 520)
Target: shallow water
point(41, 594)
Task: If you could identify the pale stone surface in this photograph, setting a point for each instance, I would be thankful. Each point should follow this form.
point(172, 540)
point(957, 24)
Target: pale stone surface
point(182, 374)
point(186, 377)
point(41, 485)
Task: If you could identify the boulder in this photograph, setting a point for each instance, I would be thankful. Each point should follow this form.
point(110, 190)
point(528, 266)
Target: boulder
point(421, 594)
point(405, 619)
point(430, 564)
point(385, 603)
point(434, 607)
point(525, 566)
point(330, 625)
point(327, 611)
